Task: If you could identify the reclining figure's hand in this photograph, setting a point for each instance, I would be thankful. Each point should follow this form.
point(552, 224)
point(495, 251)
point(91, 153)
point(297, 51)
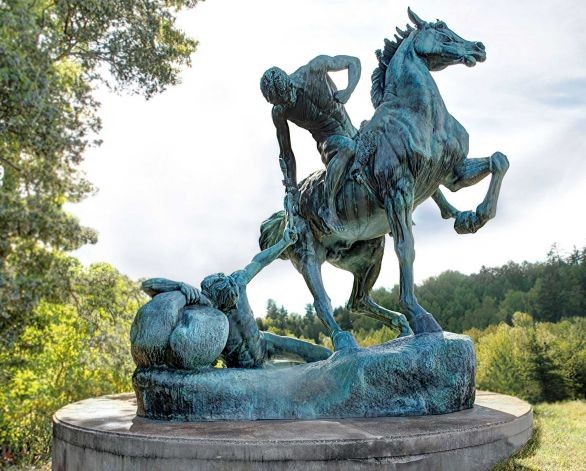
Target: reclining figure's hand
point(290, 236)
point(192, 295)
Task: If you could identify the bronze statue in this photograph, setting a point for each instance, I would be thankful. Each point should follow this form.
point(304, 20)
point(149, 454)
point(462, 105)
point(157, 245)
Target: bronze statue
point(374, 179)
point(411, 145)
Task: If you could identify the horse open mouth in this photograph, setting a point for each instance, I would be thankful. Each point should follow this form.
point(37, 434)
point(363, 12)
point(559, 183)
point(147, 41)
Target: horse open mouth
point(477, 55)
point(470, 61)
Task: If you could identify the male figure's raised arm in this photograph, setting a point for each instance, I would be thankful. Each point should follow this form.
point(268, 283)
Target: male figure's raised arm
point(335, 64)
point(267, 256)
point(286, 156)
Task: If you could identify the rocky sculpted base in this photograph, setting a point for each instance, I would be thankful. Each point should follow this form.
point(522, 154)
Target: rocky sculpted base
point(415, 375)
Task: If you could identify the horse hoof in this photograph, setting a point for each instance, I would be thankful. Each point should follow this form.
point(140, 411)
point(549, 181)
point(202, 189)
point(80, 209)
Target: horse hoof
point(343, 341)
point(405, 332)
point(404, 326)
point(424, 324)
point(466, 222)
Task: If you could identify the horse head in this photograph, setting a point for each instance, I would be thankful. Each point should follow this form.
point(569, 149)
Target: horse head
point(436, 44)
point(440, 47)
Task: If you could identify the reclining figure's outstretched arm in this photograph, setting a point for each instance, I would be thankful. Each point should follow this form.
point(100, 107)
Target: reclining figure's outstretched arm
point(266, 257)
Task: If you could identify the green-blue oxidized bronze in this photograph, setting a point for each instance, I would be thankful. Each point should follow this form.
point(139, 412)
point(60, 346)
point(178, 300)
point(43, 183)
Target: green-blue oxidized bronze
point(374, 178)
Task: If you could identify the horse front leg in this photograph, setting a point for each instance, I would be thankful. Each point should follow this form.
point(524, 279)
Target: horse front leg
point(469, 172)
point(446, 209)
point(399, 209)
point(307, 262)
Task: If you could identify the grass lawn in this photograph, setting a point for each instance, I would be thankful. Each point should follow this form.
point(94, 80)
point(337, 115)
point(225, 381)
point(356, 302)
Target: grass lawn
point(558, 442)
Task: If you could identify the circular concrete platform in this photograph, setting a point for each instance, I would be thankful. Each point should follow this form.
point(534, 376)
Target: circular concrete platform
point(105, 434)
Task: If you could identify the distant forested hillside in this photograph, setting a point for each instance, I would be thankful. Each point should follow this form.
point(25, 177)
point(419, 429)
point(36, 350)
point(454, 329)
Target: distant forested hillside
point(549, 291)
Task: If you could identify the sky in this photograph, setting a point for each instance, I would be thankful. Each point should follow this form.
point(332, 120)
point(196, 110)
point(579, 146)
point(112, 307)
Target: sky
point(186, 178)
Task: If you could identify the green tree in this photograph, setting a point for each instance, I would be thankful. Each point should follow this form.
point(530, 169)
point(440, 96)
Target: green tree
point(312, 326)
point(542, 368)
point(560, 290)
point(502, 358)
point(538, 361)
point(565, 344)
point(67, 352)
point(375, 337)
point(52, 56)
point(514, 301)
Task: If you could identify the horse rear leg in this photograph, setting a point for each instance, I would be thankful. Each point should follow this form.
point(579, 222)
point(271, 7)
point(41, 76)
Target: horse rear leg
point(469, 172)
point(364, 261)
point(399, 208)
point(305, 259)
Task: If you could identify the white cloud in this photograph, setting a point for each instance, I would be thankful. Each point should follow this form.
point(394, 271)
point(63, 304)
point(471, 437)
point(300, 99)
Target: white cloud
point(186, 178)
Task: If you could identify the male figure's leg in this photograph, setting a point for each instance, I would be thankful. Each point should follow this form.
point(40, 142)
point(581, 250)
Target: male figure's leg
point(336, 151)
point(289, 347)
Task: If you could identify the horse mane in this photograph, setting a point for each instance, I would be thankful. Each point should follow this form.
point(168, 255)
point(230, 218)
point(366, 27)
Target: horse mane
point(384, 57)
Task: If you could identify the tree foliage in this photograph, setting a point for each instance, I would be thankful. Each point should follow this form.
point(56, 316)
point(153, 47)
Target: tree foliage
point(52, 56)
point(67, 352)
point(537, 361)
point(549, 291)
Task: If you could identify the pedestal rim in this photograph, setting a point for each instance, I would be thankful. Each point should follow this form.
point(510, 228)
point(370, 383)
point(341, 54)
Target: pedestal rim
point(165, 443)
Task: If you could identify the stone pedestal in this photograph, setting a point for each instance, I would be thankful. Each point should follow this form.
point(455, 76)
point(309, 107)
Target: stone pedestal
point(105, 434)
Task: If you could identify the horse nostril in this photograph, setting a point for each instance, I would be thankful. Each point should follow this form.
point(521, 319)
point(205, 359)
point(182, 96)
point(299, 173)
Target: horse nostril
point(480, 46)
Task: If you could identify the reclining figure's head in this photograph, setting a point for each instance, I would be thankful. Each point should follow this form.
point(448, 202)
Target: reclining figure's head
point(221, 290)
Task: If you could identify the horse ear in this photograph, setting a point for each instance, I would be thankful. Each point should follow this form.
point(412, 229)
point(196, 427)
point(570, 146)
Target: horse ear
point(415, 19)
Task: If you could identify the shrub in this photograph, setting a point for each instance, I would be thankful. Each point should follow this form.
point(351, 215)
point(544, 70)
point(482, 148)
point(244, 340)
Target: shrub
point(67, 352)
point(536, 361)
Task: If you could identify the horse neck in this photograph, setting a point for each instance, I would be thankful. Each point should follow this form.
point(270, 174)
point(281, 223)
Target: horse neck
point(409, 80)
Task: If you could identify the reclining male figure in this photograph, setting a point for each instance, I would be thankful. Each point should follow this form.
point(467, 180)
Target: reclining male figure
point(247, 346)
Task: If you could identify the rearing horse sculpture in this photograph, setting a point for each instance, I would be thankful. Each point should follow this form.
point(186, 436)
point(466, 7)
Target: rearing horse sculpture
point(410, 147)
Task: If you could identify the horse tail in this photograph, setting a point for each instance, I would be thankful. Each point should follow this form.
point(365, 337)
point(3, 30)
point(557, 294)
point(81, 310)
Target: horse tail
point(271, 232)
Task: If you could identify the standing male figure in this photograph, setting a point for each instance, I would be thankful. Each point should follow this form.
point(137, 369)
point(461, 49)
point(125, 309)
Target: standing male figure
point(309, 98)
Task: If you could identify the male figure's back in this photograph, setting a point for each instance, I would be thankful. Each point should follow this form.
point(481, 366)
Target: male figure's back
point(320, 108)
